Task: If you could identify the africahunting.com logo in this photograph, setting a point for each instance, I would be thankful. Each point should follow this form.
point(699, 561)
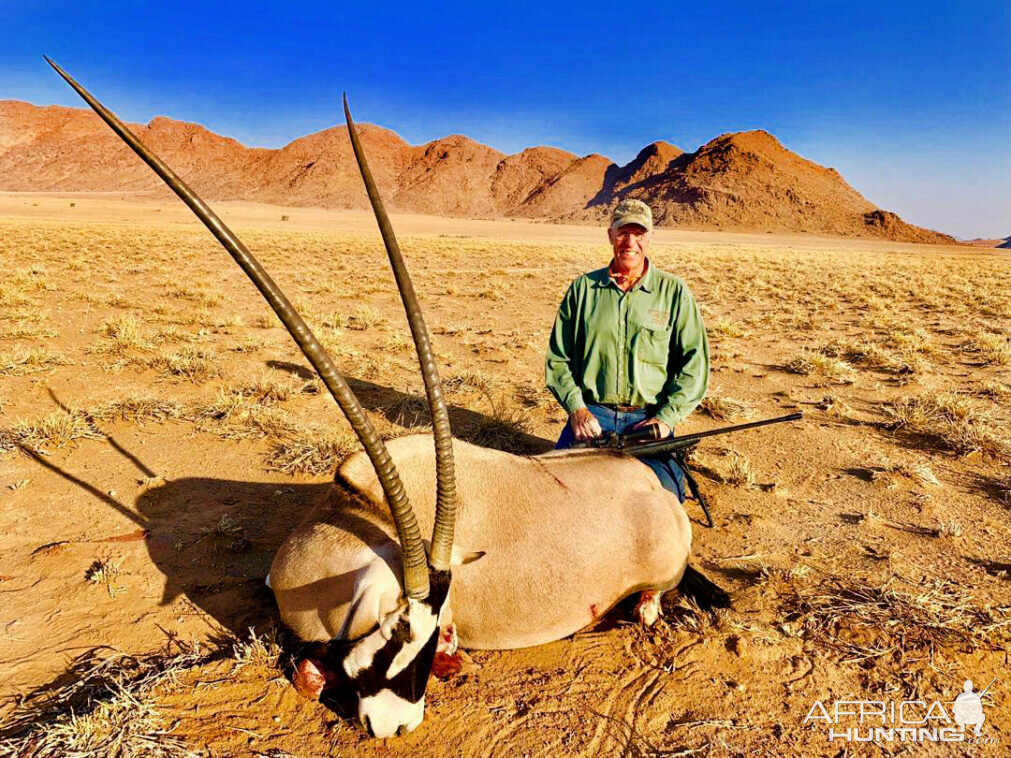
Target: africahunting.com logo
point(957, 720)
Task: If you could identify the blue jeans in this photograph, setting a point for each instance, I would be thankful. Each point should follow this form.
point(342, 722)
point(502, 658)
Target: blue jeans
point(667, 470)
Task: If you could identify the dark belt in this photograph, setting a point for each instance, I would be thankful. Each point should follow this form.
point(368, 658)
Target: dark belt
point(623, 408)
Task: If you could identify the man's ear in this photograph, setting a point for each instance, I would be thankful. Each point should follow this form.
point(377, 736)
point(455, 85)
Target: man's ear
point(610, 235)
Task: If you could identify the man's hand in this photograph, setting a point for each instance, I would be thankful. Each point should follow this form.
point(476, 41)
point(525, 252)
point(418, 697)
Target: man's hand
point(585, 425)
point(663, 430)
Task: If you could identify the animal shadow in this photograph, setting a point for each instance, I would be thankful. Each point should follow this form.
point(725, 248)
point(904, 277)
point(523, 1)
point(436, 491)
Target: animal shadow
point(495, 431)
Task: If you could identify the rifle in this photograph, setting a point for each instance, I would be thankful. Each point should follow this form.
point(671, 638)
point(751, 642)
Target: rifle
point(643, 442)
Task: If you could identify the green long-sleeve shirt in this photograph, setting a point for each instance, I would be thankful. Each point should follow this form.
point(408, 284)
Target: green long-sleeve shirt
point(647, 346)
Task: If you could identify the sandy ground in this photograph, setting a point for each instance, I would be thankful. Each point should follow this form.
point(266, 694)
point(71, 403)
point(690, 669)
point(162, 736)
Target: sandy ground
point(162, 435)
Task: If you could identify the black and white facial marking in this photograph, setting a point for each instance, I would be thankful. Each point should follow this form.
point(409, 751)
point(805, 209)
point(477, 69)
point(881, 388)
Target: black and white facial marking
point(390, 667)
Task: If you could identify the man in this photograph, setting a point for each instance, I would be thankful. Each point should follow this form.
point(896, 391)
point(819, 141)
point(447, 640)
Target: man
point(628, 348)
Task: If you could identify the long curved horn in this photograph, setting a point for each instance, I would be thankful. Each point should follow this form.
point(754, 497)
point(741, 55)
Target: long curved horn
point(412, 548)
point(445, 507)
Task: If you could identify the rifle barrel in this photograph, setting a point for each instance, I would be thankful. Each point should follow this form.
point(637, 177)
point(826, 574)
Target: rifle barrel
point(687, 440)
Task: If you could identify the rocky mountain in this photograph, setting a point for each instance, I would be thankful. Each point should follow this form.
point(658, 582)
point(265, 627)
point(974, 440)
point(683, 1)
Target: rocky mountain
point(742, 181)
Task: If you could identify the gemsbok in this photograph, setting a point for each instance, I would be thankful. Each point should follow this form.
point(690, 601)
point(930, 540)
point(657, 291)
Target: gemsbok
point(524, 549)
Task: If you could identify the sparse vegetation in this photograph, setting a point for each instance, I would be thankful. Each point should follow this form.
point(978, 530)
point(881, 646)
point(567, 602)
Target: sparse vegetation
point(53, 430)
point(994, 349)
point(258, 649)
point(505, 428)
point(365, 317)
point(311, 452)
point(138, 408)
point(28, 329)
point(1003, 486)
point(811, 363)
point(108, 705)
point(918, 471)
point(951, 421)
point(196, 364)
point(29, 361)
point(739, 472)
point(104, 572)
point(860, 620)
point(726, 328)
point(724, 408)
point(120, 336)
point(861, 322)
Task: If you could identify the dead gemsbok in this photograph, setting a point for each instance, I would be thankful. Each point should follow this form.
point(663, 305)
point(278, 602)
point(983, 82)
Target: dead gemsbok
point(546, 544)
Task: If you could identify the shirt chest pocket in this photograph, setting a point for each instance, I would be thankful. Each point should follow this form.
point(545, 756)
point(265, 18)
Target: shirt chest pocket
point(653, 345)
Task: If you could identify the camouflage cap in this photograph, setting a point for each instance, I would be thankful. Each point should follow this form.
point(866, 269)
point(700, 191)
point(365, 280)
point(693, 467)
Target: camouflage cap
point(632, 212)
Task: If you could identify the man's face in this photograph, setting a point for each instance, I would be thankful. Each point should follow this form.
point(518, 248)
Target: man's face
point(630, 244)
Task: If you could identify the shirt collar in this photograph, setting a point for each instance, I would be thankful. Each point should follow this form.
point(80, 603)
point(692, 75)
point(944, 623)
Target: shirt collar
point(646, 283)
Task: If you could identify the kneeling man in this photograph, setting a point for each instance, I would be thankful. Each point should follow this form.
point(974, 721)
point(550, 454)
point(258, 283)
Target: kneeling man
point(628, 348)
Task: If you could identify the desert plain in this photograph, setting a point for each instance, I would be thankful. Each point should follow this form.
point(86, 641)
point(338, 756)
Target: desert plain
point(160, 435)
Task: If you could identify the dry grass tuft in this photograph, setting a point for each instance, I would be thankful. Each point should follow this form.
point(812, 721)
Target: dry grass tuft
point(311, 452)
point(409, 411)
point(138, 408)
point(259, 649)
point(993, 349)
point(739, 472)
point(250, 411)
point(726, 408)
point(103, 706)
point(227, 534)
point(918, 471)
point(1003, 486)
point(396, 344)
point(811, 363)
point(504, 429)
point(364, 318)
point(104, 572)
point(197, 364)
point(55, 430)
point(199, 295)
point(949, 528)
point(29, 361)
point(28, 329)
point(901, 354)
point(467, 381)
point(860, 620)
point(265, 390)
point(121, 335)
point(991, 390)
point(726, 328)
point(536, 397)
point(11, 296)
point(951, 421)
point(835, 406)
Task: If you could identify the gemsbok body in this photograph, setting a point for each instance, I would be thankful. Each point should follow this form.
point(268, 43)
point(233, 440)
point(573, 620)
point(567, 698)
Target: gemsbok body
point(524, 549)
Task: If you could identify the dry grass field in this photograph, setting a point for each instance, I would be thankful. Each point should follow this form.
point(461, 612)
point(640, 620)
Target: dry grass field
point(160, 435)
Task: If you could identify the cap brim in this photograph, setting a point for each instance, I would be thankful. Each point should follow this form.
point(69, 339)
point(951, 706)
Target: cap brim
point(636, 219)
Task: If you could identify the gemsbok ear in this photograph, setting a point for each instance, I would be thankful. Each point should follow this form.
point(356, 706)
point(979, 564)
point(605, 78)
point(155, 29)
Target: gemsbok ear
point(459, 556)
point(462, 557)
point(388, 625)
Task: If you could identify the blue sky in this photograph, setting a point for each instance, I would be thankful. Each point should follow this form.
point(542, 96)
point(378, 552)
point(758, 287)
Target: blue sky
point(910, 101)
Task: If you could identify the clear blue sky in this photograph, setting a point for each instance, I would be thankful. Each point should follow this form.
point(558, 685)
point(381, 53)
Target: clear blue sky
point(911, 101)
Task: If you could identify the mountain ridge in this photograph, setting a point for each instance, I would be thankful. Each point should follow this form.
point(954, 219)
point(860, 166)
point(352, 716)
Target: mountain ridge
point(746, 181)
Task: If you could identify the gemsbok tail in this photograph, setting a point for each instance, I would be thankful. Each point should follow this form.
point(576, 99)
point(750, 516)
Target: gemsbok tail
point(702, 591)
